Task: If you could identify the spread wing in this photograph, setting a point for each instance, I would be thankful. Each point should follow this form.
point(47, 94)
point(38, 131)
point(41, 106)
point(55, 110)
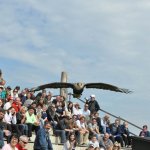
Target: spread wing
point(53, 85)
point(105, 86)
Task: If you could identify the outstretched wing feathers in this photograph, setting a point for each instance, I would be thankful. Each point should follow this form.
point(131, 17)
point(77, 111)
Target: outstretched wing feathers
point(54, 85)
point(105, 86)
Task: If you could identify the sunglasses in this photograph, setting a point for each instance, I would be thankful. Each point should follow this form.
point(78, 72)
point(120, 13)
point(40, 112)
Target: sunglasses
point(25, 142)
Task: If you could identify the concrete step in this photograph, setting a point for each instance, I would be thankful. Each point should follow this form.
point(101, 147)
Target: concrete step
point(57, 146)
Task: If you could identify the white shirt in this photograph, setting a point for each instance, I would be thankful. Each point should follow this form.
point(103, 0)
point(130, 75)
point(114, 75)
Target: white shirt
point(77, 111)
point(7, 106)
point(86, 113)
point(96, 144)
point(9, 118)
point(80, 125)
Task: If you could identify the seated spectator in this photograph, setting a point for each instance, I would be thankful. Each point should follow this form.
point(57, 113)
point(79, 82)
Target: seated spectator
point(145, 132)
point(105, 122)
point(12, 144)
point(70, 144)
point(49, 99)
point(64, 127)
point(125, 134)
point(44, 114)
point(86, 112)
point(23, 96)
point(77, 110)
point(8, 104)
point(16, 104)
point(106, 142)
point(28, 101)
point(98, 119)
point(94, 141)
point(115, 130)
point(23, 141)
point(52, 116)
point(116, 146)
point(60, 109)
point(70, 107)
point(31, 121)
point(8, 91)
point(94, 129)
point(21, 119)
point(2, 93)
point(84, 133)
point(3, 129)
point(15, 93)
point(39, 108)
point(11, 120)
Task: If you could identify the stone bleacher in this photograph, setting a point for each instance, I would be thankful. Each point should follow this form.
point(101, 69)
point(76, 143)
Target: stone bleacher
point(58, 146)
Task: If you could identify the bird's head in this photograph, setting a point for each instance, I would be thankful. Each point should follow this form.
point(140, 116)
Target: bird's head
point(79, 85)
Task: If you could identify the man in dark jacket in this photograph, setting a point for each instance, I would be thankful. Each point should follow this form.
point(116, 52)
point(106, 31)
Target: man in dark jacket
point(42, 140)
point(93, 104)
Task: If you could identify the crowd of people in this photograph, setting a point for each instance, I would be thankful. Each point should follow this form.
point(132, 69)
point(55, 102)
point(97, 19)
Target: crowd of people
point(23, 112)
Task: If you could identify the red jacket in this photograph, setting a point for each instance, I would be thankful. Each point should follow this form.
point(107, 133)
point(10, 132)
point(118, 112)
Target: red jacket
point(19, 147)
point(16, 106)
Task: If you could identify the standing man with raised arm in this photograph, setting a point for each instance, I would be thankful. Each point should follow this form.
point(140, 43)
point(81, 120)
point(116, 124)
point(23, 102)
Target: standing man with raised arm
point(42, 140)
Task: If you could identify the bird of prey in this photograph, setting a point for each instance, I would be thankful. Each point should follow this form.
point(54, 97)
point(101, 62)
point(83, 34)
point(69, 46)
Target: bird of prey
point(79, 87)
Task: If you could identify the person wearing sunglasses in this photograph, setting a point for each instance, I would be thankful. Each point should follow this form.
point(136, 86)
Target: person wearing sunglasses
point(23, 141)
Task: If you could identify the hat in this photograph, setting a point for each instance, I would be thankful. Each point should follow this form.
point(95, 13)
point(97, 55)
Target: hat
point(91, 145)
point(92, 95)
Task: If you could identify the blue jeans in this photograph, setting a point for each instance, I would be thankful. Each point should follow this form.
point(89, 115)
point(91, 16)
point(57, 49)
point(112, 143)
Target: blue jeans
point(62, 135)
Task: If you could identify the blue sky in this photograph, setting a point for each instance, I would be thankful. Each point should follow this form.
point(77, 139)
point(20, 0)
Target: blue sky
point(93, 41)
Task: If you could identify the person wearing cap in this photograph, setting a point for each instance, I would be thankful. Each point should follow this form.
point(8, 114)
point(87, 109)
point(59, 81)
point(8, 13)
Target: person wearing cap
point(93, 104)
